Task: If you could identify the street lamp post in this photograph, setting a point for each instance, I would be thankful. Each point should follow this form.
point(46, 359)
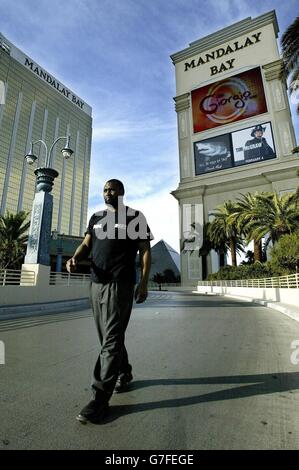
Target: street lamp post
point(38, 247)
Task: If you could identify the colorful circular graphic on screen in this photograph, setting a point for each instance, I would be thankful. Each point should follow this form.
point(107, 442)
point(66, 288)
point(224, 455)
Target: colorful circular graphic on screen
point(226, 101)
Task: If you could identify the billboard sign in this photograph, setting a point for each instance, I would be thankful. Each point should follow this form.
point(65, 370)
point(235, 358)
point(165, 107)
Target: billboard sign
point(213, 154)
point(232, 99)
point(251, 145)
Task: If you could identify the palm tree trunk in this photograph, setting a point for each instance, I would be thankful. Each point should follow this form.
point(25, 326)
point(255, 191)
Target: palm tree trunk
point(257, 250)
point(221, 259)
point(232, 246)
point(204, 267)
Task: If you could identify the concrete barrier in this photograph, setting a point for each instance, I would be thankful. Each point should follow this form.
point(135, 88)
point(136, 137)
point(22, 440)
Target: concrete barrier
point(269, 294)
point(42, 291)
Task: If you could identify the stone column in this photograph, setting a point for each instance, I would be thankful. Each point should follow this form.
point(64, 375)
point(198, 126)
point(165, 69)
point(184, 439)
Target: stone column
point(282, 122)
point(182, 107)
point(38, 247)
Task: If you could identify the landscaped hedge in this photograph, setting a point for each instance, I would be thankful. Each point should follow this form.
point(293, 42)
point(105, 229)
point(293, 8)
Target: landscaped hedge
point(284, 260)
point(249, 271)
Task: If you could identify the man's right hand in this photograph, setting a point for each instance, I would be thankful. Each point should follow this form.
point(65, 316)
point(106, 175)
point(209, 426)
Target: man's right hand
point(71, 265)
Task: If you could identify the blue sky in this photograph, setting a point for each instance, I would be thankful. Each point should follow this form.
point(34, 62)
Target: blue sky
point(115, 55)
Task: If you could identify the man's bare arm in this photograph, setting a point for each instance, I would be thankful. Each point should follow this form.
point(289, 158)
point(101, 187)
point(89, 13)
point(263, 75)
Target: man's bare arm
point(80, 254)
point(145, 260)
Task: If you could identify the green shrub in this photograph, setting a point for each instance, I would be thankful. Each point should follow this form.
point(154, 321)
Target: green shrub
point(284, 260)
point(249, 271)
point(285, 254)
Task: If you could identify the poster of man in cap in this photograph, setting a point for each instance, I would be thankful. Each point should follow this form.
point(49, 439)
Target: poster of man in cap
point(259, 148)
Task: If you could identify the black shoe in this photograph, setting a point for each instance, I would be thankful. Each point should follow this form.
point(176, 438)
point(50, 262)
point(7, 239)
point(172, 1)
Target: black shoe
point(122, 383)
point(94, 412)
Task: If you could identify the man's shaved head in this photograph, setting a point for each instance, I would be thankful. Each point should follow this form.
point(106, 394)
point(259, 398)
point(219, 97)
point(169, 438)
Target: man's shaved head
point(119, 184)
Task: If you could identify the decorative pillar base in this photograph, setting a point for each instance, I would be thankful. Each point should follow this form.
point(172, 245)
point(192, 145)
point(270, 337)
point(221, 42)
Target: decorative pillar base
point(41, 275)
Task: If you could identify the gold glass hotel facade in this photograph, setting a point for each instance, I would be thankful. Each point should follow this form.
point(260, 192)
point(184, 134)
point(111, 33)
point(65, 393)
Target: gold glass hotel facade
point(35, 105)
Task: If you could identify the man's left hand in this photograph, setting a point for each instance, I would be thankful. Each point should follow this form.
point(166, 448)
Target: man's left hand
point(141, 294)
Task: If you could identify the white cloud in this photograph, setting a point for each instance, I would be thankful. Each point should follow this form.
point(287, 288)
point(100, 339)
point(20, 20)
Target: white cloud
point(162, 213)
point(123, 129)
point(138, 184)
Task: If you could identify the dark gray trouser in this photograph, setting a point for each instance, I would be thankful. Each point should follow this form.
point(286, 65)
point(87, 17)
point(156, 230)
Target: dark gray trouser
point(111, 305)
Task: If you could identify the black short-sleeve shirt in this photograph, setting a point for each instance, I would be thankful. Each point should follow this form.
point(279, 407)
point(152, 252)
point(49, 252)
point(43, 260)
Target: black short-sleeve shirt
point(115, 237)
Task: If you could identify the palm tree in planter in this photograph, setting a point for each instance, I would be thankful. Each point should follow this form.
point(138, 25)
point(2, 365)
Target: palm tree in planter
point(224, 230)
point(13, 238)
point(245, 216)
point(275, 216)
point(290, 55)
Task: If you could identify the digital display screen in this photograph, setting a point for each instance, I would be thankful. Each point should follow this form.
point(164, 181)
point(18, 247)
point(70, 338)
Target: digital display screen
point(251, 145)
point(232, 99)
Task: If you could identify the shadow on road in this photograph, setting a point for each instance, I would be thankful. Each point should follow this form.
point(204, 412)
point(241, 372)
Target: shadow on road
point(200, 304)
point(38, 318)
point(41, 319)
point(255, 385)
point(196, 303)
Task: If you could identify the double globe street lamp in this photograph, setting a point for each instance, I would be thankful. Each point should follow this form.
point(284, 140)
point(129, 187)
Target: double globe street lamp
point(38, 247)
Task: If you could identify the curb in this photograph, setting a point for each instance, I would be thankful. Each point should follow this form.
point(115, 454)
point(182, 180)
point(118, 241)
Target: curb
point(292, 311)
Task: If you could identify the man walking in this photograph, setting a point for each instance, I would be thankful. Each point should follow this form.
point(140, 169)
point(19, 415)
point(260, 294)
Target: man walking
point(113, 238)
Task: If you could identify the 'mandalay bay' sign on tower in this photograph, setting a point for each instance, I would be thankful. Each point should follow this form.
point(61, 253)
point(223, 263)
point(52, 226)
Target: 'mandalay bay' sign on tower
point(230, 91)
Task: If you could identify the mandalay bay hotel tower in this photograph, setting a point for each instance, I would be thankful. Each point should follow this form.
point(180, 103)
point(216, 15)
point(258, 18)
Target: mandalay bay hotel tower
point(35, 105)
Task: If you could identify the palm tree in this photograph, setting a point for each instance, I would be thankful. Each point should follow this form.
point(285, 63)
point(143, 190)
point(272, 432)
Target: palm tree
point(295, 195)
point(224, 231)
point(13, 238)
point(218, 244)
point(249, 257)
point(290, 53)
point(275, 216)
point(158, 279)
point(244, 217)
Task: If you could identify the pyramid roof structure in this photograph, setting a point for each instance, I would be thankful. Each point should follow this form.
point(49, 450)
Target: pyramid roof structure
point(164, 257)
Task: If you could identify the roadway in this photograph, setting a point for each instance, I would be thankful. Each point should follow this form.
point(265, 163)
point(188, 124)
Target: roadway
point(209, 373)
